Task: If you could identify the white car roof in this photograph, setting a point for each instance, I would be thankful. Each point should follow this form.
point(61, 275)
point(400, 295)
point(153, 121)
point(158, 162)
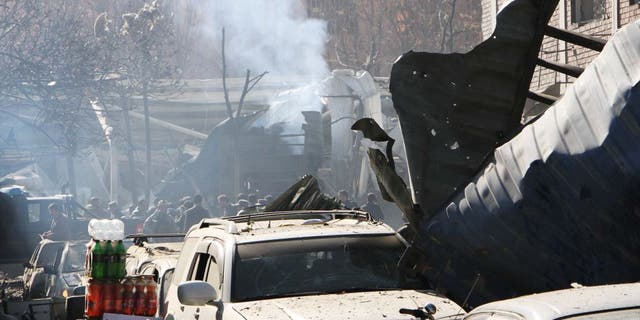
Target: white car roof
point(294, 226)
point(562, 303)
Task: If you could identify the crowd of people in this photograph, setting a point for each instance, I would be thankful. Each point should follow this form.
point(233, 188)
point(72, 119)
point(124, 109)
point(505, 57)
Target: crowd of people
point(164, 217)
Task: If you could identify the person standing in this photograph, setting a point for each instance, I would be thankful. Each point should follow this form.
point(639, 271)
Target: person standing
point(160, 221)
point(59, 230)
point(96, 209)
point(114, 211)
point(141, 210)
point(195, 213)
point(343, 196)
point(373, 208)
point(225, 208)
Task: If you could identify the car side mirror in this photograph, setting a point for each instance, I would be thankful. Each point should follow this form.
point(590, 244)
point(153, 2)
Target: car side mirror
point(196, 293)
point(49, 269)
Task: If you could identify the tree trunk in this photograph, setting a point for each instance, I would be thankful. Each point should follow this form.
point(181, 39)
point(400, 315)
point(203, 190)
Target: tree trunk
point(130, 158)
point(147, 140)
point(234, 125)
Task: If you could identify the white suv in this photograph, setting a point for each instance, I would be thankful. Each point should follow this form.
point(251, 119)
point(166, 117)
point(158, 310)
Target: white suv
point(296, 265)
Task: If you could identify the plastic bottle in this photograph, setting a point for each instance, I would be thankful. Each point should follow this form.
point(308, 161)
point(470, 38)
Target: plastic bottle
point(118, 296)
point(97, 261)
point(110, 230)
point(93, 307)
point(118, 229)
point(87, 259)
point(139, 297)
point(92, 227)
point(128, 298)
point(109, 260)
point(151, 298)
point(120, 255)
point(108, 298)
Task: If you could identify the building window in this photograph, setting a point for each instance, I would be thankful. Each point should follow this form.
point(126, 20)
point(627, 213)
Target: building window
point(587, 10)
point(632, 2)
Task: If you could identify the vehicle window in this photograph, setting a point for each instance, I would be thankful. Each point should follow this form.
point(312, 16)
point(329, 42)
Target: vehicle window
point(34, 212)
point(184, 261)
point(49, 253)
point(321, 265)
point(74, 259)
point(608, 315)
point(206, 268)
point(200, 267)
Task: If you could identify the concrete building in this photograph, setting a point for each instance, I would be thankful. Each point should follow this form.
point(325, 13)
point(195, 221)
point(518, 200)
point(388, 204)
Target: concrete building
point(596, 18)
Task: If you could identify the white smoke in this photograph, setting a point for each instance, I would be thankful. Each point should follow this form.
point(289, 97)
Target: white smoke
point(265, 35)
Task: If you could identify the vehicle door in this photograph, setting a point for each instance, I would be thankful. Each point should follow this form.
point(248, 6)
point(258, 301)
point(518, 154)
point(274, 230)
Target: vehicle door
point(164, 281)
point(206, 266)
point(181, 274)
point(214, 276)
point(46, 264)
point(30, 269)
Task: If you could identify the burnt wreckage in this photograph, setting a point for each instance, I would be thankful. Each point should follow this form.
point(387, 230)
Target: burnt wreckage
point(510, 209)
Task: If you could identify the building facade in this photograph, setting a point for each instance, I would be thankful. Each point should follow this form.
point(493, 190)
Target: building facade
point(597, 18)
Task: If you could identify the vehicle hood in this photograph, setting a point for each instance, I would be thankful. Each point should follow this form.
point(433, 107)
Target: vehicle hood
point(358, 305)
point(72, 279)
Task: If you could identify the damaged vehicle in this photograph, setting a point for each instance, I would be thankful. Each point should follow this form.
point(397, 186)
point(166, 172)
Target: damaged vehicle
point(619, 301)
point(155, 259)
point(54, 270)
point(296, 265)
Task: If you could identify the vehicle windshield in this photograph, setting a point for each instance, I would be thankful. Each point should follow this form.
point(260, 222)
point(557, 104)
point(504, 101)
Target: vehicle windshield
point(318, 265)
point(74, 260)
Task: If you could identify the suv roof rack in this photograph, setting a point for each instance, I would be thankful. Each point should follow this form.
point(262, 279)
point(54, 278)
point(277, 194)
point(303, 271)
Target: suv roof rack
point(311, 214)
point(229, 226)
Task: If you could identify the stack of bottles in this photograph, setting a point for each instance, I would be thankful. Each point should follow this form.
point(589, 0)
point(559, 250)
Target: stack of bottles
point(109, 290)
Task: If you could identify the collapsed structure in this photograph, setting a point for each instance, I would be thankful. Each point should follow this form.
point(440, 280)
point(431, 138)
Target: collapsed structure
point(557, 201)
point(302, 131)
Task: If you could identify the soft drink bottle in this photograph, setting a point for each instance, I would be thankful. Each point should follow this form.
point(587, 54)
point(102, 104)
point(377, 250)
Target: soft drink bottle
point(128, 298)
point(108, 298)
point(97, 261)
point(120, 256)
point(109, 260)
point(151, 297)
point(139, 297)
point(93, 307)
point(118, 296)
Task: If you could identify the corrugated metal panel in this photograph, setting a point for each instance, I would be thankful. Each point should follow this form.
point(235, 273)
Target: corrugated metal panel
point(560, 202)
point(455, 108)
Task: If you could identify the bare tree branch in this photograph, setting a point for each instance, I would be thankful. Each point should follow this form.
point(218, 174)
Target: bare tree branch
point(224, 81)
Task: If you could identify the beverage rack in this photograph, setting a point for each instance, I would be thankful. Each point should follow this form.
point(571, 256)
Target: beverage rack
point(110, 293)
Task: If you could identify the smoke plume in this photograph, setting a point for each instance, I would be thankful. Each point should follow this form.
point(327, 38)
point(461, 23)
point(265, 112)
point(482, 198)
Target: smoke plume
point(263, 35)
